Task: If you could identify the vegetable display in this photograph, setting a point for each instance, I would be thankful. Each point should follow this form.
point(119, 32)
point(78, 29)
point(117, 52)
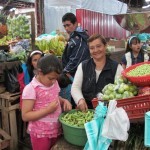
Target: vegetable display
point(78, 118)
point(141, 70)
point(54, 45)
point(19, 26)
point(4, 40)
point(121, 89)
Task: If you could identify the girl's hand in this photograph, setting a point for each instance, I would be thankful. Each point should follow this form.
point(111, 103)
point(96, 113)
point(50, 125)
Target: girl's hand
point(52, 106)
point(66, 105)
point(82, 105)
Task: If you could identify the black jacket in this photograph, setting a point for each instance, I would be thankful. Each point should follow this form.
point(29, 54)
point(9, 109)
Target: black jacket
point(90, 88)
point(75, 51)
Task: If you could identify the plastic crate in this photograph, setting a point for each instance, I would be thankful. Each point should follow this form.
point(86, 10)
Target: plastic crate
point(139, 81)
point(136, 107)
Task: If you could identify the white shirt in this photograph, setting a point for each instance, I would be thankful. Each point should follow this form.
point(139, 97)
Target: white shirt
point(76, 90)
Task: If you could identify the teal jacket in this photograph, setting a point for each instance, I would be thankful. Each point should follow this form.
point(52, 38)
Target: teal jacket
point(26, 74)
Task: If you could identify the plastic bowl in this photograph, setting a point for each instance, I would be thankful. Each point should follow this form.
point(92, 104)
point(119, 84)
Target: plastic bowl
point(74, 135)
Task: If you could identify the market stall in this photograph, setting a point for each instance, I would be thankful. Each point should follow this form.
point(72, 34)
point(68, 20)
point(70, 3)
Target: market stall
point(130, 95)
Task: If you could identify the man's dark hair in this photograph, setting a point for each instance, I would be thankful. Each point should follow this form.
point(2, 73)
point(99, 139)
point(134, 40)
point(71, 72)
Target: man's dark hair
point(69, 17)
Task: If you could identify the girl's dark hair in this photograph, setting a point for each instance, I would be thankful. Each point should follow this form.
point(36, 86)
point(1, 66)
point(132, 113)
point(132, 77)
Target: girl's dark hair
point(132, 40)
point(49, 63)
point(64, 80)
point(97, 36)
point(29, 63)
point(69, 17)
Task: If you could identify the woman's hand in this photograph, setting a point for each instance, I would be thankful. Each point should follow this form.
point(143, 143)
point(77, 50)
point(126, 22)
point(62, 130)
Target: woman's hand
point(82, 105)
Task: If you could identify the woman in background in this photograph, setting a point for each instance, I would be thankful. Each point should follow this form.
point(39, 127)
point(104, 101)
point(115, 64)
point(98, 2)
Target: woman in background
point(29, 69)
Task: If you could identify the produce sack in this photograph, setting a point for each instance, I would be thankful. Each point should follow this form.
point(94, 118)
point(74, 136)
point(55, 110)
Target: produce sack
point(11, 82)
point(93, 130)
point(116, 123)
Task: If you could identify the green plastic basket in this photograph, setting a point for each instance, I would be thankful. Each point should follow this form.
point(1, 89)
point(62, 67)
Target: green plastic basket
point(74, 135)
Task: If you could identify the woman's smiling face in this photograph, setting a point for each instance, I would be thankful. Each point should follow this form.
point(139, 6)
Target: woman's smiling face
point(97, 49)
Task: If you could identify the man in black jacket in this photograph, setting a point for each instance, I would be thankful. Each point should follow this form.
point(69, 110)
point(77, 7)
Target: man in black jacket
point(76, 49)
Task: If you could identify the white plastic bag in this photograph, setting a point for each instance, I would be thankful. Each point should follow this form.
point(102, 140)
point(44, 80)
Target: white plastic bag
point(116, 124)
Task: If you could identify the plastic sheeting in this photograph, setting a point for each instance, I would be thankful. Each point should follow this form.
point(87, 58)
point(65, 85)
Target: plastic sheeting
point(110, 7)
point(55, 9)
point(53, 17)
point(73, 3)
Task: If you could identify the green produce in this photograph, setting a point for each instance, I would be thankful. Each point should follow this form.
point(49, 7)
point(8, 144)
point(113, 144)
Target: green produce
point(121, 89)
point(22, 56)
point(141, 70)
point(54, 45)
point(78, 118)
point(4, 40)
point(19, 26)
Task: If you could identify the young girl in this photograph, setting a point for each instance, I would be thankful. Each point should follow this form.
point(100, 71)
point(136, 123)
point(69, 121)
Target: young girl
point(134, 53)
point(42, 104)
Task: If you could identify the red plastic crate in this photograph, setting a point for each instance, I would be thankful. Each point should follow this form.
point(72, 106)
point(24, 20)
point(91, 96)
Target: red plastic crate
point(136, 107)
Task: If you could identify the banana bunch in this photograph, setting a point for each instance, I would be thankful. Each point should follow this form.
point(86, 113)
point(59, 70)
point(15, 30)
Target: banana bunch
point(55, 46)
point(42, 44)
point(19, 26)
point(4, 40)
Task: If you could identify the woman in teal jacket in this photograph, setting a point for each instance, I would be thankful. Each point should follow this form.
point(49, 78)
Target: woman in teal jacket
point(29, 69)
